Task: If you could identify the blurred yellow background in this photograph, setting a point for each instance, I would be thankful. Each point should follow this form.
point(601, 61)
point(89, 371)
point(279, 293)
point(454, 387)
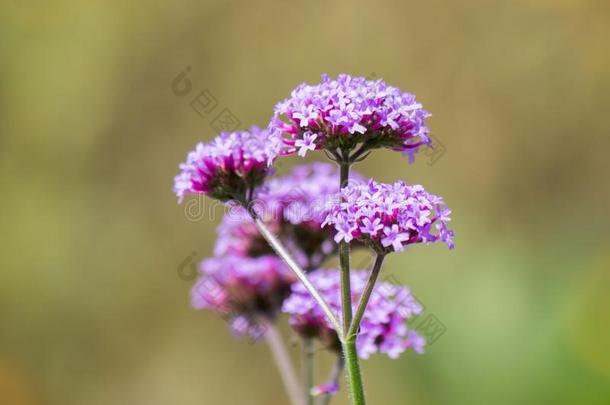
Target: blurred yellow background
point(92, 309)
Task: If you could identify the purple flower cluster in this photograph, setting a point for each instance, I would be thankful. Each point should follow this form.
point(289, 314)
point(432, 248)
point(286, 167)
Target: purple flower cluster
point(293, 208)
point(230, 166)
point(310, 214)
point(383, 328)
point(342, 113)
point(389, 217)
point(242, 289)
point(302, 195)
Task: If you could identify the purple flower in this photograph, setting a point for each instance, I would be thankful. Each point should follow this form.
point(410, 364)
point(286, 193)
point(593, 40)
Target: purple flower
point(330, 387)
point(293, 207)
point(389, 217)
point(371, 227)
point(306, 143)
point(383, 328)
point(348, 111)
point(228, 167)
point(344, 231)
point(415, 342)
point(393, 237)
point(242, 289)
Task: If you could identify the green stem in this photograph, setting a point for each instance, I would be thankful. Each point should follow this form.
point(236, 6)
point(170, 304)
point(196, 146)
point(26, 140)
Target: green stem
point(344, 173)
point(308, 369)
point(346, 296)
point(366, 295)
point(354, 377)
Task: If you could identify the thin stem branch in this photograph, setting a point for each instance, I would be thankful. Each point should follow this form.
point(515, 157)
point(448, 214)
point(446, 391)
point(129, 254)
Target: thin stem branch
point(308, 369)
point(356, 155)
point(296, 269)
point(283, 363)
point(335, 376)
point(366, 295)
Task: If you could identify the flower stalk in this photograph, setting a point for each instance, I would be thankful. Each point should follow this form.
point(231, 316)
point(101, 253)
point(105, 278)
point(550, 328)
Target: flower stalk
point(308, 369)
point(366, 295)
point(354, 376)
point(344, 261)
point(284, 364)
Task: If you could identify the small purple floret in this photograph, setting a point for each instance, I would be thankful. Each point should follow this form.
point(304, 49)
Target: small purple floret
point(329, 388)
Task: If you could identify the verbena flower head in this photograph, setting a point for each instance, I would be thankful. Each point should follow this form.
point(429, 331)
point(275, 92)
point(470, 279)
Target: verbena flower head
point(242, 289)
point(293, 208)
point(228, 167)
point(383, 328)
point(342, 113)
point(389, 217)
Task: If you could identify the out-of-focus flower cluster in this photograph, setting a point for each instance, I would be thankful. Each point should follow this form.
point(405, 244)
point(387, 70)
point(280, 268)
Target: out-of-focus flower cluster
point(230, 166)
point(342, 113)
point(389, 217)
point(242, 289)
point(383, 328)
point(293, 207)
point(245, 280)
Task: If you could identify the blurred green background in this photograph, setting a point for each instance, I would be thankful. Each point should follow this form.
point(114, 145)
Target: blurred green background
point(92, 309)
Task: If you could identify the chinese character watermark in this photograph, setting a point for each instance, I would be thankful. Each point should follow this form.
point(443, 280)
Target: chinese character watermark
point(204, 103)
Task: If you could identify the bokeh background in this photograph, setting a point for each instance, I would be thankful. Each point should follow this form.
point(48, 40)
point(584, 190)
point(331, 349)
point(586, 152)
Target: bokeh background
point(92, 309)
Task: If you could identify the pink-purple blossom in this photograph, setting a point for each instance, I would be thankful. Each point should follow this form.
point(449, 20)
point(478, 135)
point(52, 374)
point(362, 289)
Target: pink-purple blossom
point(388, 217)
point(230, 166)
point(347, 111)
point(327, 388)
point(305, 144)
point(242, 289)
point(383, 328)
point(293, 207)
